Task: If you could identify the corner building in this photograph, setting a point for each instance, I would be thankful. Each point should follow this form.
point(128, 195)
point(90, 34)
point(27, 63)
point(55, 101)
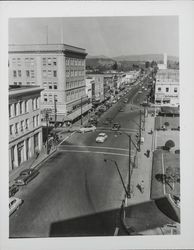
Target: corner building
point(25, 130)
point(58, 68)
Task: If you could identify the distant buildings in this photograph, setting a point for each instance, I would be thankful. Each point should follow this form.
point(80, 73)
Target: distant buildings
point(58, 68)
point(164, 64)
point(167, 87)
point(25, 130)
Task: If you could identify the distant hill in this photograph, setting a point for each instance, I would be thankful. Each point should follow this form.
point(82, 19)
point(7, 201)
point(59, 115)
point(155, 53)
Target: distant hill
point(147, 57)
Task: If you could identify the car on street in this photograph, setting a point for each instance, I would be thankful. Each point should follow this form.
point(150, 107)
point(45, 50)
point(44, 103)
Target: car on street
point(121, 110)
point(125, 100)
point(139, 91)
point(101, 137)
point(114, 101)
point(14, 204)
point(116, 126)
point(13, 189)
point(26, 176)
point(87, 128)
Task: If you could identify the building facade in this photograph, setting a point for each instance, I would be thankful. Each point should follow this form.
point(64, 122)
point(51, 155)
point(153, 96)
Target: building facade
point(167, 87)
point(58, 68)
point(98, 87)
point(25, 130)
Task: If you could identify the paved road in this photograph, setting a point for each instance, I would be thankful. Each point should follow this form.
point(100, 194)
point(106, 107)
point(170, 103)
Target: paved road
point(77, 193)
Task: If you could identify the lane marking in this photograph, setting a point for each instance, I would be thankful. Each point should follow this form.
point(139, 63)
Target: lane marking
point(83, 146)
point(116, 231)
point(164, 187)
point(67, 137)
point(94, 152)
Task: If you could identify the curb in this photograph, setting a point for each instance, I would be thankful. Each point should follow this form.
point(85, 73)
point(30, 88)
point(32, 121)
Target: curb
point(43, 160)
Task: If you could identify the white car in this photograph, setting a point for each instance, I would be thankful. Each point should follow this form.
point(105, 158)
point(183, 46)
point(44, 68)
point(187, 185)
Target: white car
point(101, 137)
point(14, 204)
point(87, 129)
point(114, 101)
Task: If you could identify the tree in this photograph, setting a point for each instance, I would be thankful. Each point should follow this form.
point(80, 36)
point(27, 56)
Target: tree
point(147, 64)
point(115, 66)
point(169, 144)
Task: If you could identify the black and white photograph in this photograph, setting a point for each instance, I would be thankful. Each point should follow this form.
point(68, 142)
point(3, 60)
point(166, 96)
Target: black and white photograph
point(94, 126)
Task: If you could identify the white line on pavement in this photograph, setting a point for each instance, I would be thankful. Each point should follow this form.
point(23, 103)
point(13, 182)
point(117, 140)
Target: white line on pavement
point(67, 138)
point(94, 152)
point(83, 146)
point(164, 188)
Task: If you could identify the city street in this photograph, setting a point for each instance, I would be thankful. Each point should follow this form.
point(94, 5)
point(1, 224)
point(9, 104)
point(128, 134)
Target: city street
point(76, 192)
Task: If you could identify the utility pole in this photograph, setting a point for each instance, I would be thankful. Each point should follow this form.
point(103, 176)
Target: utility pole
point(129, 177)
point(47, 116)
point(81, 112)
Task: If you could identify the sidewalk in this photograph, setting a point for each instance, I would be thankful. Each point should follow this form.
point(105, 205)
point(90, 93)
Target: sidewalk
point(142, 172)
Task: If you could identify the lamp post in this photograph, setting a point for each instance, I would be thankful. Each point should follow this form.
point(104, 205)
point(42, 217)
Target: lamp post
point(126, 192)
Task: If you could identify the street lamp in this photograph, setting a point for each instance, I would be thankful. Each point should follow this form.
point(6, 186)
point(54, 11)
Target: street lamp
point(126, 192)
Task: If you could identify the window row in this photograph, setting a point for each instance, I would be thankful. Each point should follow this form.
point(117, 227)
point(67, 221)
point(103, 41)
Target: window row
point(49, 61)
point(49, 73)
point(70, 85)
point(22, 107)
point(167, 89)
point(24, 125)
point(75, 94)
point(50, 85)
point(50, 98)
point(70, 73)
point(18, 61)
point(76, 62)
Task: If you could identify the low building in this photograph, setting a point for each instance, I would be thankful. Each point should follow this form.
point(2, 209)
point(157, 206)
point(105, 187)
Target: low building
point(25, 130)
point(167, 87)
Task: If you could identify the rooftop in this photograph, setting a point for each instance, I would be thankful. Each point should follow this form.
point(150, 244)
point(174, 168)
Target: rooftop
point(44, 48)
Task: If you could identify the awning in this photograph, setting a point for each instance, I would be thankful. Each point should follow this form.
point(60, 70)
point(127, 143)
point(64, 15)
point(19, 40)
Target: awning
point(77, 112)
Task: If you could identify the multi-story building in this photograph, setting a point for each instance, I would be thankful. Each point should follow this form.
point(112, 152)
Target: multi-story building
point(58, 68)
point(89, 83)
point(98, 87)
point(167, 87)
point(25, 130)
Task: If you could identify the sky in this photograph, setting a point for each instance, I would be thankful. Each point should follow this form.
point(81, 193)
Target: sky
point(108, 36)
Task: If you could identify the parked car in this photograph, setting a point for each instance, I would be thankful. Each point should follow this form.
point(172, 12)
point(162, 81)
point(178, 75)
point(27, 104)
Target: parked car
point(116, 126)
point(13, 190)
point(125, 100)
point(26, 176)
point(14, 204)
point(87, 128)
point(114, 101)
point(101, 137)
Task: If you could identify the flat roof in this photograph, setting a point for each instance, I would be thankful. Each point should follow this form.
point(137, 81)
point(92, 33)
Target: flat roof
point(14, 48)
point(23, 89)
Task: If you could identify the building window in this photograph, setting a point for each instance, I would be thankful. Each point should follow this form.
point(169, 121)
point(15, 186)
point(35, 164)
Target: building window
point(50, 98)
point(37, 120)
point(55, 86)
point(44, 73)
point(167, 89)
point(159, 89)
point(45, 98)
point(13, 61)
point(49, 73)
point(22, 126)
point(19, 83)
point(34, 121)
point(32, 73)
point(175, 90)
point(27, 62)
point(32, 61)
point(45, 85)
point(15, 109)
point(27, 73)
point(10, 109)
point(14, 73)
point(16, 128)
point(54, 73)
point(21, 110)
point(11, 129)
point(19, 73)
point(50, 86)
point(44, 61)
point(49, 61)
point(55, 61)
point(15, 83)
point(27, 123)
point(26, 106)
point(18, 61)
